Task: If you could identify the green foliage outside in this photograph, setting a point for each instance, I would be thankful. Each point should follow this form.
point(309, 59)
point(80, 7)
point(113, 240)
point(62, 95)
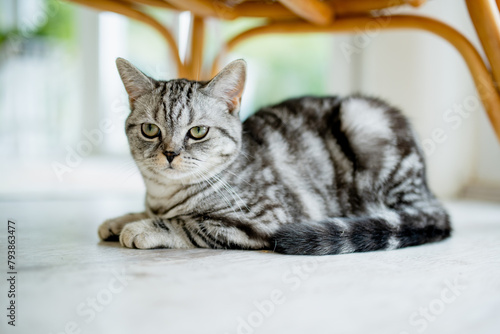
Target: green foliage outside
point(56, 21)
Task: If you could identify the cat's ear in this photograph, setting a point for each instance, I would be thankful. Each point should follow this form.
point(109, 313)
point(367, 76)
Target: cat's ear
point(136, 83)
point(228, 84)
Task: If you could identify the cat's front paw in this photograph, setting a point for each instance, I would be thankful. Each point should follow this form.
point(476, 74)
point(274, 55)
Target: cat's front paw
point(110, 230)
point(141, 235)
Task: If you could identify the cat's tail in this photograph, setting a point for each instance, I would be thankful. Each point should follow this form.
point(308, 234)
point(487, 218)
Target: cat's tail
point(387, 231)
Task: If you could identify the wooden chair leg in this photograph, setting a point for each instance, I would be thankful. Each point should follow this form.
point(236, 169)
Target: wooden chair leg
point(486, 18)
point(481, 76)
point(195, 60)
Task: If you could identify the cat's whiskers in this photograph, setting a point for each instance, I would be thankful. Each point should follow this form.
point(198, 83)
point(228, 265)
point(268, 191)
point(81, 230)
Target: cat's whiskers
point(126, 171)
point(228, 187)
point(129, 169)
point(237, 199)
point(247, 156)
point(210, 164)
point(205, 177)
point(237, 176)
point(231, 191)
point(147, 165)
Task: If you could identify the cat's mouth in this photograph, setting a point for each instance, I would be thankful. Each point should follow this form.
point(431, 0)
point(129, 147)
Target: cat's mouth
point(174, 165)
point(179, 169)
point(169, 167)
point(172, 169)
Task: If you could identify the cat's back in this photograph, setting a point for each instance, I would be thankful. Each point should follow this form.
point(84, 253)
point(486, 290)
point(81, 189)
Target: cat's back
point(356, 123)
point(292, 117)
point(337, 155)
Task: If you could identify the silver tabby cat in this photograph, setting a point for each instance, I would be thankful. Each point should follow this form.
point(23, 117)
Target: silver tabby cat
point(312, 175)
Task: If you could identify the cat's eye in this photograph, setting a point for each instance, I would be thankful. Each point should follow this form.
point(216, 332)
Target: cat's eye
point(150, 130)
point(198, 132)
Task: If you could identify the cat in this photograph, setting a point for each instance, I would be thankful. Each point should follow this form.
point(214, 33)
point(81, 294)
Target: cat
point(309, 176)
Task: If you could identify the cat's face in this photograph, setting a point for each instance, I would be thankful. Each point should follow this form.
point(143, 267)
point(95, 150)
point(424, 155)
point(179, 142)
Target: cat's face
point(183, 130)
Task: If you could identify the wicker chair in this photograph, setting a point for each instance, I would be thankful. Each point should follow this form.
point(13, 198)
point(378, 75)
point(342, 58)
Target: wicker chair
point(316, 16)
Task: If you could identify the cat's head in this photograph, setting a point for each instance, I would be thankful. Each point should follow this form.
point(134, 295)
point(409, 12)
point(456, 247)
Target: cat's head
point(180, 129)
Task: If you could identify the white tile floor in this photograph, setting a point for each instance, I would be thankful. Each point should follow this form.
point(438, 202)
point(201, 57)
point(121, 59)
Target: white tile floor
point(69, 282)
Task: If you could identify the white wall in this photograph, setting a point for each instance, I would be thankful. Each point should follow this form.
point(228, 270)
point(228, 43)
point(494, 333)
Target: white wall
point(488, 163)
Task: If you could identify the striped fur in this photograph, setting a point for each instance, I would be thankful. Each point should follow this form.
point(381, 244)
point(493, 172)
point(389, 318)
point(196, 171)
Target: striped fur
point(312, 175)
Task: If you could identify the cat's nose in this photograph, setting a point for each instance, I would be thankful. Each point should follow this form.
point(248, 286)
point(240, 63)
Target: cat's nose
point(170, 155)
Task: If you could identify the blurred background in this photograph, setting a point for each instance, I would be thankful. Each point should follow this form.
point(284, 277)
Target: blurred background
point(62, 104)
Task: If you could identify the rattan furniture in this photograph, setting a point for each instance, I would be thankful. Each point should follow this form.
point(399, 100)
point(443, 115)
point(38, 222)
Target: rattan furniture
point(329, 16)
